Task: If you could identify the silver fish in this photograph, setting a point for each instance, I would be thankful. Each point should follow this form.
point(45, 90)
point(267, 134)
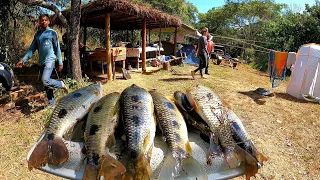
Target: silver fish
point(174, 129)
point(140, 127)
point(99, 134)
point(69, 110)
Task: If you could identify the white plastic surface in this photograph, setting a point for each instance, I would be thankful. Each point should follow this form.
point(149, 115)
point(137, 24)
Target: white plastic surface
point(74, 167)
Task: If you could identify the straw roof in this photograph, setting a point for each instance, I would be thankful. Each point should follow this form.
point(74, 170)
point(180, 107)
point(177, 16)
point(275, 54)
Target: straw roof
point(124, 15)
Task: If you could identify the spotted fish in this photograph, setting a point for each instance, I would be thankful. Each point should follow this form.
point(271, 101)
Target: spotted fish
point(174, 130)
point(99, 134)
point(68, 111)
point(140, 127)
point(211, 109)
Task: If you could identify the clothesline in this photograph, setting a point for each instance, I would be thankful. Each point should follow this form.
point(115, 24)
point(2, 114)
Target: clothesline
point(240, 40)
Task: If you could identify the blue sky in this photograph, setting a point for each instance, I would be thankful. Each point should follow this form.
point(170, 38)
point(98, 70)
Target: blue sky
point(204, 5)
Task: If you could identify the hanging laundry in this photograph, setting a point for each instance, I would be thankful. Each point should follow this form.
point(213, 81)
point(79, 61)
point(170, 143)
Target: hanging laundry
point(277, 62)
point(291, 59)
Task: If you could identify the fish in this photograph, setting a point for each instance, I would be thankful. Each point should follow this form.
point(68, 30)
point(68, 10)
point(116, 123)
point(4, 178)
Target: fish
point(174, 130)
point(139, 128)
point(70, 109)
point(193, 119)
point(211, 109)
point(254, 159)
point(99, 135)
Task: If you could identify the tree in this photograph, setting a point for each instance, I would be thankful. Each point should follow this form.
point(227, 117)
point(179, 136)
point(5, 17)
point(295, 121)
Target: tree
point(73, 36)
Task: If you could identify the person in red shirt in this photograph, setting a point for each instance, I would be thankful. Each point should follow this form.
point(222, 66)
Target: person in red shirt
point(210, 48)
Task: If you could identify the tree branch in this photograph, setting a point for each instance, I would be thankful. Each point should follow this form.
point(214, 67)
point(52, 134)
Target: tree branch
point(44, 4)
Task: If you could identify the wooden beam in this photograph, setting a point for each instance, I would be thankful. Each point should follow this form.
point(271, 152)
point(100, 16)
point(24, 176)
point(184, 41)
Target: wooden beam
point(108, 46)
point(149, 36)
point(144, 43)
point(175, 41)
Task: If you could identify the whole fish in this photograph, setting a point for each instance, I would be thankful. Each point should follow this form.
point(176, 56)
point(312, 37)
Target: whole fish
point(68, 111)
point(140, 127)
point(193, 119)
point(254, 159)
point(210, 108)
point(99, 134)
point(174, 130)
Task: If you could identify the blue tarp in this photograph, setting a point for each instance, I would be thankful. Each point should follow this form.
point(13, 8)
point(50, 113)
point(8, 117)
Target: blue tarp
point(189, 50)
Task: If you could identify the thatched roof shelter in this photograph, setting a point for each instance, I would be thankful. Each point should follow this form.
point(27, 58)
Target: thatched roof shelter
point(124, 15)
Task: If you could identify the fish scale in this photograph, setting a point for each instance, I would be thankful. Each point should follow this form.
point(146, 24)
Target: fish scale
point(76, 105)
point(69, 110)
point(139, 122)
point(213, 112)
point(101, 124)
point(171, 123)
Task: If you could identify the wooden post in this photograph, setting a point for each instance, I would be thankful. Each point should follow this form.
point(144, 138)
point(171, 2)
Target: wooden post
point(160, 34)
point(144, 43)
point(108, 46)
point(175, 41)
point(149, 36)
point(85, 35)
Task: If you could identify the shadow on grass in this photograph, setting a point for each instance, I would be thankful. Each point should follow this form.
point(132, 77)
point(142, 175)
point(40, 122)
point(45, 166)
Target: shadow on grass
point(257, 98)
point(291, 98)
point(175, 79)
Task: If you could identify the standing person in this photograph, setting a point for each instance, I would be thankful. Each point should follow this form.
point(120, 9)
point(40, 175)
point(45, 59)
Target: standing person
point(47, 43)
point(201, 53)
point(210, 49)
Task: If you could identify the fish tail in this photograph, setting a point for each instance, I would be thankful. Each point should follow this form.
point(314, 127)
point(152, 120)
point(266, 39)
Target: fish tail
point(40, 155)
point(110, 167)
point(60, 153)
point(261, 158)
point(139, 170)
point(214, 149)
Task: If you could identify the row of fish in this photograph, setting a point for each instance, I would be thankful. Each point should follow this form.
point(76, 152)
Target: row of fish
point(140, 111)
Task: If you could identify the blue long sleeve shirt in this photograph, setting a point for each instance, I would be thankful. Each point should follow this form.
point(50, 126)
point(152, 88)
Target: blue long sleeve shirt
point(47, 44)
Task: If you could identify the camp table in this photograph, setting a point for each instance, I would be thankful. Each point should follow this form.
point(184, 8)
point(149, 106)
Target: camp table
point(74, 167)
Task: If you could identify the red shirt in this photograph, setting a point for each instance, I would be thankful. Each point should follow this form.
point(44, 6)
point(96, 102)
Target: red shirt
point(210, 46)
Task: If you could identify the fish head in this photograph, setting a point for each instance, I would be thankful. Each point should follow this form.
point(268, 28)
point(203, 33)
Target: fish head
point(97, 88)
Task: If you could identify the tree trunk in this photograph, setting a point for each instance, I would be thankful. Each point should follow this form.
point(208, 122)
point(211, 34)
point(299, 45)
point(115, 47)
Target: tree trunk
point(73, 36)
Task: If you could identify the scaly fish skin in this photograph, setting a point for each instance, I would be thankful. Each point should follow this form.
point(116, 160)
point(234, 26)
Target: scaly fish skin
point(99, 133)
point(72, 108)
point(69, 110)
point(172, 125)
point(140, 127)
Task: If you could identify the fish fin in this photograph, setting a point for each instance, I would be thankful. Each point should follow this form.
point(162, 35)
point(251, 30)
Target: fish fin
point(40, 155)
point(110, 167)
point(60, 153)
point(111, 141)
point(168, 168)
point(140, 169)
point(90, 172)
point(214, 149)
point(192, 169)
point(188, 147)
point(149, 153)
point(146, 140)
point(170, 98)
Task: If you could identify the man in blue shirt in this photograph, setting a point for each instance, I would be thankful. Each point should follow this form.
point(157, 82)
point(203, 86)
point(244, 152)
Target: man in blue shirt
point(47, 43)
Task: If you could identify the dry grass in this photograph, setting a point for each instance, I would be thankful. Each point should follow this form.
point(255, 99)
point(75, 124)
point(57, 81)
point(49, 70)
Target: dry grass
point(282, 127)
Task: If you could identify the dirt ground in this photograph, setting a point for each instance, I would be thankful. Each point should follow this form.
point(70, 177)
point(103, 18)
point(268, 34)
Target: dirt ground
point(285, 129)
